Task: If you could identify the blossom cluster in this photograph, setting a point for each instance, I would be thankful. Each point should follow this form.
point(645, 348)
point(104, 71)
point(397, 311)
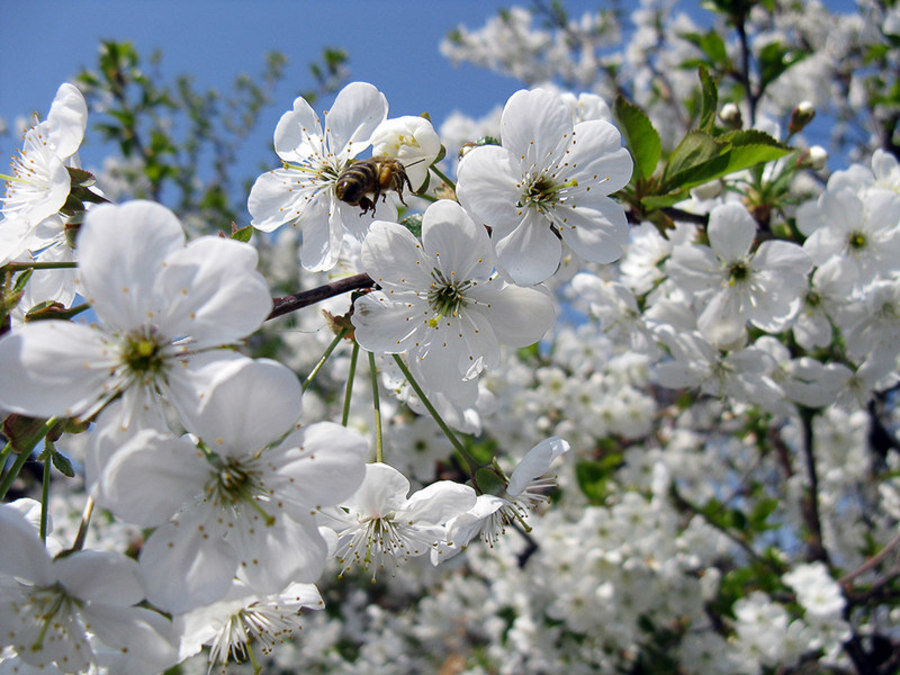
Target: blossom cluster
point(627, 399)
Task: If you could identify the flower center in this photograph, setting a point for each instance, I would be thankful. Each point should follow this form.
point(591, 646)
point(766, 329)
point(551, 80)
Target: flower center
point(857, 240)
point(143, 355)
point(738, 272)
point(447, 296)
point(813, 299)
point(542, 191)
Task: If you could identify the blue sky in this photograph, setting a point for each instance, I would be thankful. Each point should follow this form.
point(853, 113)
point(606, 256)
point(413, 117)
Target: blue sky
point(391, 43)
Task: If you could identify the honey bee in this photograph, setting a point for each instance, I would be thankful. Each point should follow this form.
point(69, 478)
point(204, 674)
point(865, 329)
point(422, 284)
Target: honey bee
point(361, 183)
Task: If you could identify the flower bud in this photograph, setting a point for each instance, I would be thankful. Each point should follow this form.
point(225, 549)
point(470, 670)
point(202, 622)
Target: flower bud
point(801, 116)
point(410, 139)
point(730, 115)
point(814, 158)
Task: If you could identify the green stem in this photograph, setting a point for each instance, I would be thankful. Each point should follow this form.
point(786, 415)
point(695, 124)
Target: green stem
point(45, 488)
point(25, 453)
point(465, 458)
point(4, 454)
point(315, 371)
point(379, 441)
point(354, 356)
point(16, 266)
point(440, 174)
point(257, 667)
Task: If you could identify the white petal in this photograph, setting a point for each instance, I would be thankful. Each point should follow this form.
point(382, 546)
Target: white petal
point(122, 250)
point(143, 638)
point(596, 235)
point(278, 197)
point(151, 477)
point(392, 255)
point(250, 408)
point(67, 120)
point(186, 567)
point(298, 134)
point(210, 290)
point(439, 502)
point(195, 375)
point(322, 234)
point(271, 556)
point(461, 248)
point(488, 187)
point(388, 324)
point(54, 368)
point(383, 490)
point(329, 463)
point(536, 463)
point(597, 159)
point(535, 127)
point(731, 231)
point(22, 554)
point(100, 576)
point(522, 316)
point(530, 253)
point(358, 109)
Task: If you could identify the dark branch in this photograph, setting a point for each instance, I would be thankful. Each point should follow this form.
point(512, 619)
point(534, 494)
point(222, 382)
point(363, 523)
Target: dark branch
point(291, 303)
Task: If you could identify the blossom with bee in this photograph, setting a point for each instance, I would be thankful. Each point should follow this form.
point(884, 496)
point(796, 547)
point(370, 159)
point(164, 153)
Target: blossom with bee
point(302, 193)
point(547, 184)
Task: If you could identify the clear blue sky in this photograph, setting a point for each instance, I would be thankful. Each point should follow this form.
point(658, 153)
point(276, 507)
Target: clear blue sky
point(391, 43)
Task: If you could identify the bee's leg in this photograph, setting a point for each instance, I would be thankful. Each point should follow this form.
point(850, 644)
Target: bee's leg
point(367, 205)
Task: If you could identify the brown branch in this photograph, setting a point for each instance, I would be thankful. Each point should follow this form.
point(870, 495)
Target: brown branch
point(291, 303)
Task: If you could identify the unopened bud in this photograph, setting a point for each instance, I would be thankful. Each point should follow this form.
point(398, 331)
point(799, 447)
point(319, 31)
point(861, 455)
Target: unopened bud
point(801, 116)
point(815, 158)
point(730, 115)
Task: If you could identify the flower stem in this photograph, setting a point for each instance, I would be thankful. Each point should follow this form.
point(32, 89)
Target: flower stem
point(379, 441)
point(315, 371)
point(351, 376)
point(465, 458)
point(24, 454)
point(16, 266)
point(45, 488)
point(440, 174)
point(83, 526)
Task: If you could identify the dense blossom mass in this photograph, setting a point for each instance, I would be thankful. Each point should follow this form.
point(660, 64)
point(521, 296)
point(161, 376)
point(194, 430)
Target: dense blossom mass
point(605, 381)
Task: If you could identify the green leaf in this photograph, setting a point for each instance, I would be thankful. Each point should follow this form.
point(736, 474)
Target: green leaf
point(80, 177)
point(242, 234)
point(62, 464)
point(489, 481)
point(593, 476)
point(696, 149)
point(709, 100)
point(640, 136)
point(774, 59)
point(413, 223)
point(711, 44)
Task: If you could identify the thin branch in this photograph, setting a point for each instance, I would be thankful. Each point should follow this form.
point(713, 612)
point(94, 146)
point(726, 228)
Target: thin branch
point(291, 303)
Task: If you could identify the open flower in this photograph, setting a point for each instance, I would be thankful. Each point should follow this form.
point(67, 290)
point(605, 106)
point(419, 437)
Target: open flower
point(77, 610)
point(550, 180)
point(245, 506)
point(379, 525)
point(410, 139)
point(441, 302)
point(163, 309)
point(302, 193)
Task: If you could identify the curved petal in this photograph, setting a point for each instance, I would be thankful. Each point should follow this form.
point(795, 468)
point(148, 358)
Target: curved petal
point(184, 566)
point(278, 197)
point(536, 126)
point(731, 231)
point(392, 256)
point(489, 186)
point(521, 316)
point(439, 502)
point(530, 253)
point(54, 368)
point(358, 109)
point(22, 554)
point(142, 638)
point(326, 462)
point(273, 556)
point(250, 408)
point(151, 477)
point(100, 576)
point(67, 120)
point(461, 248)
point(323, 229)
point(596, 158)
point(210, 290)
point(298, 134)
point(388, 324)
point(598, 236)
point(536, 463)
point(121, 250)
point(383, 490)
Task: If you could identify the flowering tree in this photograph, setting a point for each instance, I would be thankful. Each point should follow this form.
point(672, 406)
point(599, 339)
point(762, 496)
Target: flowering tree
point(628, 395)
